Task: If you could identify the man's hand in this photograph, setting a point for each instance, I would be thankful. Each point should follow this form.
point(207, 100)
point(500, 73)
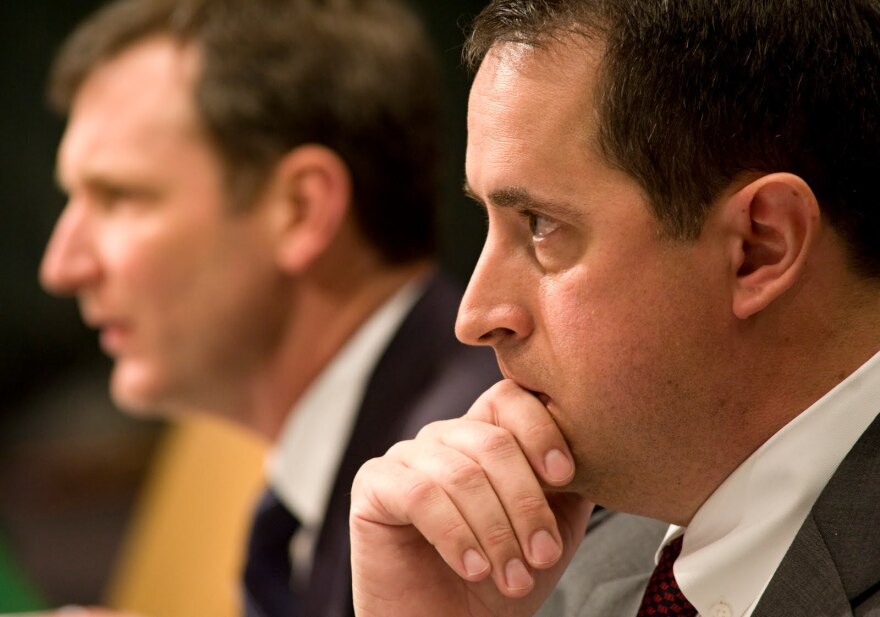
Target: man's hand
point(458, 522)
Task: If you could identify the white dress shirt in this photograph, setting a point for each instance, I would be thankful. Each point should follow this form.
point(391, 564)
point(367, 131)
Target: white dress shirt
point(302, 466)
point(738, 537)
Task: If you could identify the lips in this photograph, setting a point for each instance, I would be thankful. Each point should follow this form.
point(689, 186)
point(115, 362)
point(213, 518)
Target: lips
point(112, 331)
point(112, 337)
point(525, 385)
point(112, 334)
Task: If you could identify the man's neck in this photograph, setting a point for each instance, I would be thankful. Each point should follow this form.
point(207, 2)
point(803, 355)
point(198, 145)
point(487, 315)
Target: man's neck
point(321, 325)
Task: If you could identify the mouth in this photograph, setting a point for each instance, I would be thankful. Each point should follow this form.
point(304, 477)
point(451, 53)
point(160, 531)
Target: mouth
point(538, 394)
point(112, 331)
point(111, 335)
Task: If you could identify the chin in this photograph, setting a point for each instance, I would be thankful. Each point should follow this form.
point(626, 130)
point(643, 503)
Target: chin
point(137, 395)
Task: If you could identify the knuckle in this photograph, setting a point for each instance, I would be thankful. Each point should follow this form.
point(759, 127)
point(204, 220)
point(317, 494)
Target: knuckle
point(465, 475)
point(432, 428)
point(496, 442)
point(509, 394)
point(370, 475)
point(455, 532)
point(398, 450)
point(372, 495)
point(531, 506)
point(418, 493)
point(490, 405)
point(540, 431)
point(363, 506)
point(362, 476)
point(507, 386)
point(498, 535)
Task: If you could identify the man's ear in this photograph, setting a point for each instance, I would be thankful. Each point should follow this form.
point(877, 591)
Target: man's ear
point(775, 223)
point(311, 193)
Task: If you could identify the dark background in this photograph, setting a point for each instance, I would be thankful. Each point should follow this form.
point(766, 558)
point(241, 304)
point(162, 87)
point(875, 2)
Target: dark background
point(70, 464)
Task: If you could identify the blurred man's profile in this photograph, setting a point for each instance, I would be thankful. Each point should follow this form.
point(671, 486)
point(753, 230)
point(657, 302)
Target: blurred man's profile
point(250, 227)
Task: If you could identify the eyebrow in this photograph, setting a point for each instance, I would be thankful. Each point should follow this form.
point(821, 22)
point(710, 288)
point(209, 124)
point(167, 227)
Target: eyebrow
point(518, 198)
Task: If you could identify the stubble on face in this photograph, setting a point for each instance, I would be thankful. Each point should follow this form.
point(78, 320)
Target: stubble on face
point(618, 328)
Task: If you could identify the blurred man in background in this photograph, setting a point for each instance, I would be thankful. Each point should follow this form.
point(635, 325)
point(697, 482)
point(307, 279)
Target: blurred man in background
point(251, 228)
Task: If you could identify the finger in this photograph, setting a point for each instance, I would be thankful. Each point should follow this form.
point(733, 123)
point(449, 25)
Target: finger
point(387, 492)
point(499, 457)
point(465, 483)
point(463, 473)
point(519, 411)
point(572, 512)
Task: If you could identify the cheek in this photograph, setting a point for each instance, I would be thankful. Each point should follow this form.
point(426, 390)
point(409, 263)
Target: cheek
point(604, 341)
point(152, 265)
point(588, 322)
point(234, 297)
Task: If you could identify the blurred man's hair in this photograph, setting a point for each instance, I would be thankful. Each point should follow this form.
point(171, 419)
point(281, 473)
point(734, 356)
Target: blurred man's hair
point(357, 76)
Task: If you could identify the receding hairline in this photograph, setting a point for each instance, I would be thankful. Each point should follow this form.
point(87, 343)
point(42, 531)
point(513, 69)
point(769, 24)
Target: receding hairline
point(580, 60)
point(586, 25)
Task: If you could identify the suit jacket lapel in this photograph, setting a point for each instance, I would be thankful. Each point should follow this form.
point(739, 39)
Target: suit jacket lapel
point(806, 582)
point(424, 341)
point(833, 564)
point(371, 428)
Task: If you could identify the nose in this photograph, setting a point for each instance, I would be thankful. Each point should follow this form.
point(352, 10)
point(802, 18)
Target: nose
point(494, 308)
point(69, 262)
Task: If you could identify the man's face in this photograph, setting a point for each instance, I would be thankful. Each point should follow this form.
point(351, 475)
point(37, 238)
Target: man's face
point(184, 293)
point(615, 327)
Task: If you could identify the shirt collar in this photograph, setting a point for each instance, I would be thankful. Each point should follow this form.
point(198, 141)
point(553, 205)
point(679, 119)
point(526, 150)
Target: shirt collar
point(302, 465)
point(738, 537)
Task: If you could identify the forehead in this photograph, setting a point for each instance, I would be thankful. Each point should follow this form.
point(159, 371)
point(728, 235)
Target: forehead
point(532, 121)
point(542, 87)
point(136, 106)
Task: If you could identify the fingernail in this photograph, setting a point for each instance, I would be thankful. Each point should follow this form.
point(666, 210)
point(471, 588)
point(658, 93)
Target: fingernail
point(516, 575)
point(474, 563)
point(544, 548)
point(557, 466)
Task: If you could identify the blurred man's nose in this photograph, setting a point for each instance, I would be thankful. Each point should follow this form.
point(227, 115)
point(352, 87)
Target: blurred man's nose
point(493, 309)
point(69, 262)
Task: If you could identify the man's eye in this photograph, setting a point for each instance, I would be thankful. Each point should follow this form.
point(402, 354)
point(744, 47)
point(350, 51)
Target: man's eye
point(114, 196)
point(111, 196)
point(541, 226)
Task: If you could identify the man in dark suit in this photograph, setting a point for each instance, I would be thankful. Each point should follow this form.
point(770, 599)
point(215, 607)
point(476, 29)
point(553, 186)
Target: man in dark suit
point(681, 281)
point(250, 226)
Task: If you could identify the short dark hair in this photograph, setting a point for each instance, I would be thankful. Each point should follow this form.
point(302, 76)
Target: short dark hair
point(696, 93)
point(358, 76)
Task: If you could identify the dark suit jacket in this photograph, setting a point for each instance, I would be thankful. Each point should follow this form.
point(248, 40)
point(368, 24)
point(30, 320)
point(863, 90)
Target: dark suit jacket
point(832, 568)
point(424, 375)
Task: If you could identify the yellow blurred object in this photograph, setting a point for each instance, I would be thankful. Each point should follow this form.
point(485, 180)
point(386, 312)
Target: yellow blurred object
point(183, 552)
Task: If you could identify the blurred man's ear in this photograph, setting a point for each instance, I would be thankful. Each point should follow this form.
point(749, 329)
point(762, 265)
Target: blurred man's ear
point(310, 192)
point(775, 223)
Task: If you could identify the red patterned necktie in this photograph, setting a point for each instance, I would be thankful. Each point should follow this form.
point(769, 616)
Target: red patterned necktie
point(663, 597)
